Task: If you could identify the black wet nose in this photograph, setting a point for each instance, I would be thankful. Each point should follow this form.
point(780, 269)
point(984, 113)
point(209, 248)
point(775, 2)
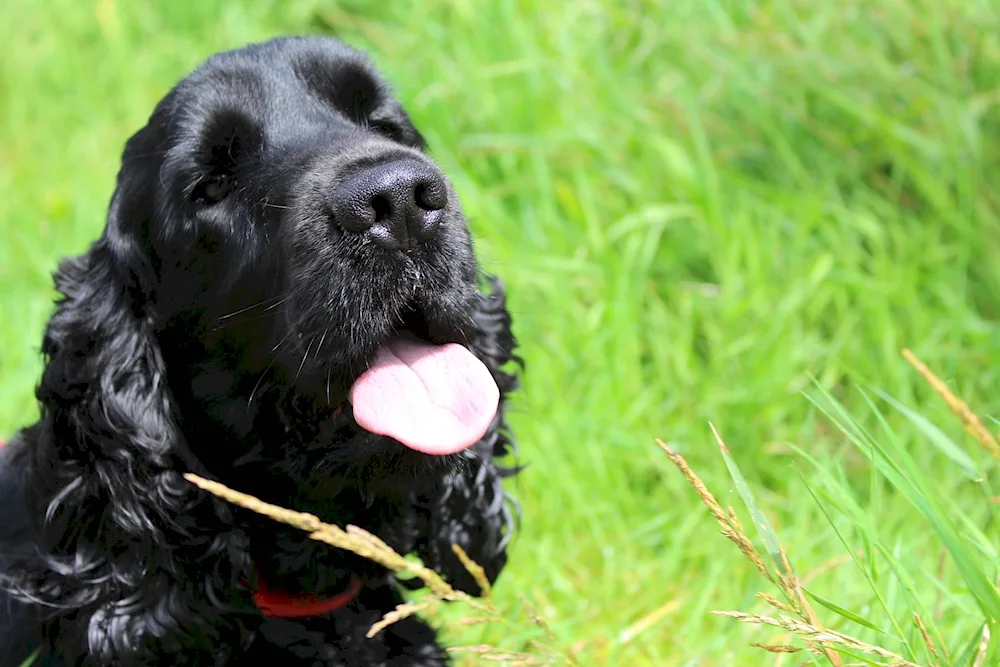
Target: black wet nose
point(397, 203)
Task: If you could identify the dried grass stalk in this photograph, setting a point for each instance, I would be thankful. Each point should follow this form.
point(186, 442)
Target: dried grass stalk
point(817, 636)
point(786, 579)
point(354, 539)
point(485, 652)
point(776, 603)
point(958, 407)
point(731, 528)
point(928, 642)
point(474, 569)
point(367, 545)
point(984, 645)
point(401, 611)
point(778, 648)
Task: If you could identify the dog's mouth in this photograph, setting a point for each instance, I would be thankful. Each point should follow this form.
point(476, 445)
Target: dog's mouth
point(436, 399)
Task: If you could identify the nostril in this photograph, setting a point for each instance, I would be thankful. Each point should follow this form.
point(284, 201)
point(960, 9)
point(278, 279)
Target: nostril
point(381, 207)
point(430, 195)
point(398, 204)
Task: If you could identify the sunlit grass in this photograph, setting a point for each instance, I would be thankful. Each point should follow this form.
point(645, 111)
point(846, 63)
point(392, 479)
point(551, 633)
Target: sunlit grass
point(700, 208)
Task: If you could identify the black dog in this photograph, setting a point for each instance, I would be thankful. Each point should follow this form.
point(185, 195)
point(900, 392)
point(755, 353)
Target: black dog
point(286, 299)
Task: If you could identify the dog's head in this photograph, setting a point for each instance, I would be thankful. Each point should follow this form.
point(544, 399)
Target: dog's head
point(285, 238)
point(284, 297)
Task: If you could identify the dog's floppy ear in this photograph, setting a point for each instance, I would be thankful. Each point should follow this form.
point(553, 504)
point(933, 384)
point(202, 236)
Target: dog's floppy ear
point(473, 510)
point(103, 392)
point(102, 480)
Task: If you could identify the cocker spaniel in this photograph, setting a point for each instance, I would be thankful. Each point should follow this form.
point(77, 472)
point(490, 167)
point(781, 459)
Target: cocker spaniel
point(285, 298)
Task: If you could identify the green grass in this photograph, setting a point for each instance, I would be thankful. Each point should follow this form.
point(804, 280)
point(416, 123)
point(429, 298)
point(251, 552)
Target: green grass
point(699, 206)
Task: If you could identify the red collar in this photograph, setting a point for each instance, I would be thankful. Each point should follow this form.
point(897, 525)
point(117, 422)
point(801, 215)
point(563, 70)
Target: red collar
point(272, 602)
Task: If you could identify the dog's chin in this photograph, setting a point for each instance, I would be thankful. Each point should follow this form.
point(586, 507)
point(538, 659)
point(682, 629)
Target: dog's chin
point(377, 466)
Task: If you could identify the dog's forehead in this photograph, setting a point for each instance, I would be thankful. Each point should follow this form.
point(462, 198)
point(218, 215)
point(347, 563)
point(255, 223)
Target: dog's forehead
point(277, 77)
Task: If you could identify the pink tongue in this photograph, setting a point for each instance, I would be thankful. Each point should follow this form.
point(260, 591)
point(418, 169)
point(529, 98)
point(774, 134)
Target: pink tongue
point(436, 399)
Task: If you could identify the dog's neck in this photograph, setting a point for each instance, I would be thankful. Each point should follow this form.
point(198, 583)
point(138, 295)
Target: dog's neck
point(267, 448)
point(268, 441)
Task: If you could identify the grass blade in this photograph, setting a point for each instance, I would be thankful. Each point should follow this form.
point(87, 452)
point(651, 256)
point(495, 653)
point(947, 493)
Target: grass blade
point(849, 615)
point(936, 437)
point(902, 472)
point(760, 522)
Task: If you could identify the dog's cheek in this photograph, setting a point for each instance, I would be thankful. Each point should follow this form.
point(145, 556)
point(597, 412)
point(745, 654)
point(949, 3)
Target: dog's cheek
point(450, 280)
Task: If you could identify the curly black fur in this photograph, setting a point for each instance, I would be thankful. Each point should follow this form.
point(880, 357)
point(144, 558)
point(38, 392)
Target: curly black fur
point(215, 327)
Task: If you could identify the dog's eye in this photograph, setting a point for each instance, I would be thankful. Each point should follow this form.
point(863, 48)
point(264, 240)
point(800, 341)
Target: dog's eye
point(213, 189)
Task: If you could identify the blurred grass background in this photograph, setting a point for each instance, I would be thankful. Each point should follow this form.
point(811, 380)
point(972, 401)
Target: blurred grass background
point(698, 206)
